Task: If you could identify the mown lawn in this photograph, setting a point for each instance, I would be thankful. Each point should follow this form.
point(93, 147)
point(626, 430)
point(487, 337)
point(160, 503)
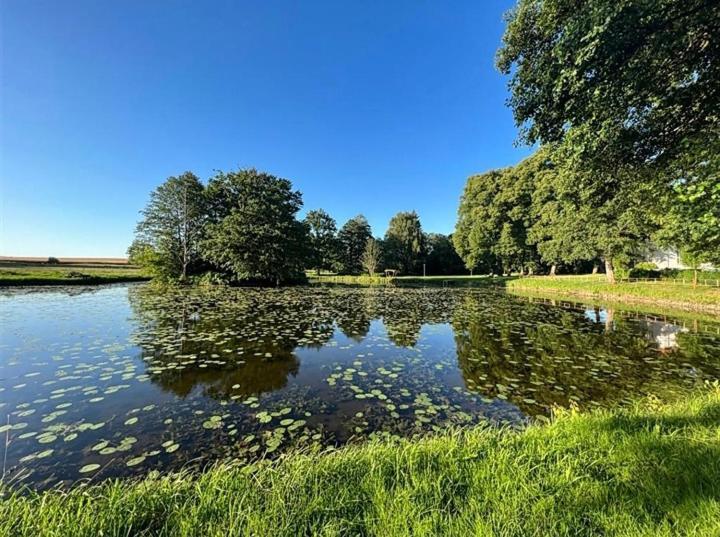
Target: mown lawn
point(652, 469)
point(662, 292)
point(14, 275)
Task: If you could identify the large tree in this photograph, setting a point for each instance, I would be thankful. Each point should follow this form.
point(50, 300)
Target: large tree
point(323, 240)
point(580, 216)
point(254, 234)
point(171, 227)
point(615, 80)
point(626, 90)
point(404, 242)
point(353, 237)
point(494, 218)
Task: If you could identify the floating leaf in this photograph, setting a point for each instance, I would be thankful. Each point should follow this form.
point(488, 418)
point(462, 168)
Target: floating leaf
point(89, 468)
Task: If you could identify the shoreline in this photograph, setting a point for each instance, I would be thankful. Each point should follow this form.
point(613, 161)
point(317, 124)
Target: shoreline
point(622, 298)
point(597, 472)
point(48, 282)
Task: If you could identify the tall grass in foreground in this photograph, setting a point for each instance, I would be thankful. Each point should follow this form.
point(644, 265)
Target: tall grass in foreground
point(653, 469)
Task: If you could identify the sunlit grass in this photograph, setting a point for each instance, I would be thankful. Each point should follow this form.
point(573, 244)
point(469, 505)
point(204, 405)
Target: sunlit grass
point(660, 291)
point(68, 274)
point(652, 469)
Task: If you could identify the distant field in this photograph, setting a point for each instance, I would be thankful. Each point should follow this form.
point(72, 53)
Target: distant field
point(73, 271)
point(25, 261)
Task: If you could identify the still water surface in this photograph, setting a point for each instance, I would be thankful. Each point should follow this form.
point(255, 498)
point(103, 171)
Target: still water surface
point(120, 380)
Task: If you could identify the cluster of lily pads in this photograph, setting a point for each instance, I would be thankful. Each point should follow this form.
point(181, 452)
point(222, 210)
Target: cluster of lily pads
point(128, 379)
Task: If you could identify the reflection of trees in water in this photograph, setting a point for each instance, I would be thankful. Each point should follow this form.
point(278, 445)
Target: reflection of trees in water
point(220, 338)
point(405, 311)
point(528, 351)
point(353, 314)
point(224, 338)
point(253, 377)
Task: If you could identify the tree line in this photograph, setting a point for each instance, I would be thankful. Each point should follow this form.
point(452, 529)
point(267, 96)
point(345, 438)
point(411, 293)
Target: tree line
point(243, 226)
point(622, 98)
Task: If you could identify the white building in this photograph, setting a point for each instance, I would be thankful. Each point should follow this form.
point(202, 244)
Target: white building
point(669, 258)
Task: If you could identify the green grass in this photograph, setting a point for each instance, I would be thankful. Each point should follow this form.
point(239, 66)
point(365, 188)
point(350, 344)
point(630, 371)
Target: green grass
point(661, 292)
point(652, 469)
point(33, 274)
point(674, 314)
point(454, 281)
point(348, 280)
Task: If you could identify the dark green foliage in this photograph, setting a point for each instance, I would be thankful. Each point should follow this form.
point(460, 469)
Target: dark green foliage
point(588, 215)
point(323, 242)
point(172, 226)
point(495, 217)
point(690, 215)
point(627, 93)
point(614, 80)
point(442, 259)
point(254, 234)
point(53, 261)
point(404, 243)
point(353, 238)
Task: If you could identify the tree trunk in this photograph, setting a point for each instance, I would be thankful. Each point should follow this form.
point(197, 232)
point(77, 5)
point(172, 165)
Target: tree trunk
point(695, 278)
point(552, 269)
point(595, 268)
point(609, 320)
point(609, 270)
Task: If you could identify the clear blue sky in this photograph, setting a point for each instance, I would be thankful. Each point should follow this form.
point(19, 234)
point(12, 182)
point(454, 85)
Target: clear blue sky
point(368, 107)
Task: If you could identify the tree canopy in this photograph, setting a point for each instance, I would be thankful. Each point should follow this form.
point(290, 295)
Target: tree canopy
point(404, 242)
point(169, 233)
point(254, 233)
point(624, 95)
point(616, 80)
point(353, 238)
point(371, 256)
point(495, 217)
point(442, 259)
point(323, 245)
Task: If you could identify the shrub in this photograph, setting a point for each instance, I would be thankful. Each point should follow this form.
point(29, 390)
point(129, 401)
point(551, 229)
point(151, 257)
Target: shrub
point(53, 261)
point(646, 265)
point(645, 269)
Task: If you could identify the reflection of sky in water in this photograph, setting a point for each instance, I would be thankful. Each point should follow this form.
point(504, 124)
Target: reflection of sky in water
point(162, 380)
point(597, 315)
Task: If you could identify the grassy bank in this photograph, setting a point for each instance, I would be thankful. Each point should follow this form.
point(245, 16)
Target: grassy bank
point(453, 281)
point(653, 469)
point(40, 274)
point(661, 293)
point(349, 280)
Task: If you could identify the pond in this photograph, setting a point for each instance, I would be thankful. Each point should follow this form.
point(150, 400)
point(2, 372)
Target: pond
point(120, 380)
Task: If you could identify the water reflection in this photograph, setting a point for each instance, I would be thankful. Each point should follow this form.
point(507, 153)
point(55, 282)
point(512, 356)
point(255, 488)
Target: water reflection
point(131, 379)
point(530, 353)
